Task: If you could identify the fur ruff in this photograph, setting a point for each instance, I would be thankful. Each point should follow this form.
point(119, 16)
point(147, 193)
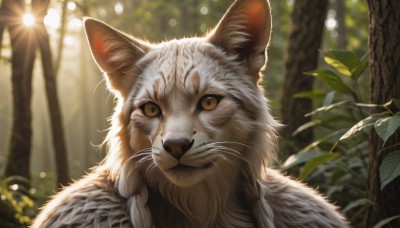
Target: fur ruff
point(129, 188)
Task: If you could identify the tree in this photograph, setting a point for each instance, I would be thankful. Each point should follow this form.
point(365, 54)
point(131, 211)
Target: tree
point(305, 37)
point(40, 7)
point(24, 43)
point(341, 29)
point(23, 53)
point(384, 59)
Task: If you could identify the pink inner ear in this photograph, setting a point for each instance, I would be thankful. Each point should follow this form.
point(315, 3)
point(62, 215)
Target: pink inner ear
point(98, 46)
point(256, 15)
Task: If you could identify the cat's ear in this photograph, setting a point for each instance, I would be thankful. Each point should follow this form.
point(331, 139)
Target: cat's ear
point(116, 53)
point(245, 30)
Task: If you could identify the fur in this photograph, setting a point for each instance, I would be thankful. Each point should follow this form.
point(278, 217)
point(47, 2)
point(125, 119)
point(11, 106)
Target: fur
point(224, 179)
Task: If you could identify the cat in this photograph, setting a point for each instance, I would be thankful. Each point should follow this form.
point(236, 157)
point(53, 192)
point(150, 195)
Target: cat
point(192, 140)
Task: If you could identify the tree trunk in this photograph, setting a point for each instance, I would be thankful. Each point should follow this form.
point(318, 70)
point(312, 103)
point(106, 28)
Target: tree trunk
point(23, 54)
point(305, 37)
point(62, 30)
point(40, 8)
point(340, 17)
point(86, 116)
point(3, 20)
point(384, 59)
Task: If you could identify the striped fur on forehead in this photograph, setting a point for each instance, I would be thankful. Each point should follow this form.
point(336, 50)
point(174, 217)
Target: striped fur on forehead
point(189, 67)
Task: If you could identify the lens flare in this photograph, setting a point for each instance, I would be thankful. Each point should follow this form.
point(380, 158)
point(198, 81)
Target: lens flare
point(28, 19)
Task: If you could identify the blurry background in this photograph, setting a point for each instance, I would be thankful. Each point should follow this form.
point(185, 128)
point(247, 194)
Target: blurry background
point(85, 103)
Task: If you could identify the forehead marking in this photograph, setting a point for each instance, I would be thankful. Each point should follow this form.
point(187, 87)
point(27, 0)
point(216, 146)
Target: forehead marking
point(187, 74)
point(156, 87)
point(196, 82)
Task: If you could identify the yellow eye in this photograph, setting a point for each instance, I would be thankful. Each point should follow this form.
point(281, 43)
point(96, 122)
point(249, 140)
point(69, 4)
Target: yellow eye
point(209, 102)
point(151, 110)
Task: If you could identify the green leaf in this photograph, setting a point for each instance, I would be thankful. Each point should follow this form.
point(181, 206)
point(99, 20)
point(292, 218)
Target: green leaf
point(331, 79)
point(393, 102)
point(299, 158)
point(386, 127)
point(358, 71)
point(329, 98)
point(315, 94)
point(357, 203)
point(327, 137)
point(327, 108)
point(367, 122)
point(396, 102)
point(345, 62)
point(390, 168)
point(385, 221)
point(307, 125)
point(315, 162)
point(367, 105)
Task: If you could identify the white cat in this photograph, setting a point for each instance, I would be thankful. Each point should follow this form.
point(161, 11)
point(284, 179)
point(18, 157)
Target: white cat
point(192, 139)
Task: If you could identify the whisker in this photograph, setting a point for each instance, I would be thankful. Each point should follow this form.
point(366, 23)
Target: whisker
point(238, 143)
point(232, 152)
point(136, 165)
point(227, 160)
point(151, 166)
point(139, 163)
point(138, 156)
point(229, 149)
point(143, 152)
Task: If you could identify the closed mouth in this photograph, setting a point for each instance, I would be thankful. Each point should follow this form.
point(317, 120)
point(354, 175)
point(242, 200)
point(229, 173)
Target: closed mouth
point(187, 168)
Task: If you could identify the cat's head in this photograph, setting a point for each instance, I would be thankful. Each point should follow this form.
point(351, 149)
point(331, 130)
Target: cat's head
point(189, 109)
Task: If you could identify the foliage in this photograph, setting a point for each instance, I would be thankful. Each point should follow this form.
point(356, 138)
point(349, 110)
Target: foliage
point(18, 204)
point(17, 207)
point(338, 160)
point(151, 19)
point(385, 221)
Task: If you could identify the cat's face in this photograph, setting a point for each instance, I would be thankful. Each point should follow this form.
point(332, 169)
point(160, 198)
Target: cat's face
point(191, 107)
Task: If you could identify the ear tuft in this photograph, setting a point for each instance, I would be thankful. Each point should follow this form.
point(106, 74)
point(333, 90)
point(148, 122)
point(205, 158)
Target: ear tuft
point(245, 30)
point(115, 53)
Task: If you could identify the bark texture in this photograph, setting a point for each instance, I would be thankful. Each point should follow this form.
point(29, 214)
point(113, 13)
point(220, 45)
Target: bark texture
point(24, 43)
point(305, 37)
point(42, 37)
point(384, 59)
point(341, 29)
point(23, 53)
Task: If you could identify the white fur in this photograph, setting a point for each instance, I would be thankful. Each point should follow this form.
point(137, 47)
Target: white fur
point(230, 182)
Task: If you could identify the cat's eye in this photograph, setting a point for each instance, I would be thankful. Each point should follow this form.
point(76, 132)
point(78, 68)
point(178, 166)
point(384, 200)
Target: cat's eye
point(151, 110)
point(209, 102)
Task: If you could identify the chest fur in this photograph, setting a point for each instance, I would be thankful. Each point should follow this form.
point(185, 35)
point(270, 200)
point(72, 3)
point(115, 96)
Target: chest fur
point(233, 213)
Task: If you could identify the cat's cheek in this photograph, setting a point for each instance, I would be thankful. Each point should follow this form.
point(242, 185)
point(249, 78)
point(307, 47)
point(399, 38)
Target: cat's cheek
point(219, 116)
point(146, 126)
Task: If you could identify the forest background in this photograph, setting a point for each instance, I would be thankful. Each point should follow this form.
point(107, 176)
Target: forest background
point(317, 67)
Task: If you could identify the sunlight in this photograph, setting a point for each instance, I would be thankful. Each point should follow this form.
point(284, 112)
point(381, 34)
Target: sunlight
point(203, 28)
point(52, 19)
point(14, 187)
point(172, 22)
point(75, 24)
point(204, 10)
point(71, 6)
point(28, 19)
point(119, 8)
point(331, 24)
point(69, 41)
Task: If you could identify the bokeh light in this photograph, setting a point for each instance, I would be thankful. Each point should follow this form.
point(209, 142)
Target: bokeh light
point(52, 19)
point(71, 6)
point(28, 19)
point(119, 8)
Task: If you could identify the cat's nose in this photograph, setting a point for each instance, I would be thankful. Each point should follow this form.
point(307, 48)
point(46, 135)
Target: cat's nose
point(177, 147)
